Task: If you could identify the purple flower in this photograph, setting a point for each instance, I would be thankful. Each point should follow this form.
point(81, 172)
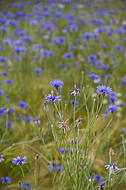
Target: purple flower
point(37, 120)
point(37, 70)
point(26, 185)
point(1, 93)
point(92, 57)
point(55, 167)
point(56, 83)
point(22, 104)
point(124, 130)
point(19, 160)
point(8, 124)
point(68, 55)
point(1, 158)
point(8, 81)
point(6, 180)
point(105, 114)
point(112, 107)
point(104, 90)
point(98, 177)
point(27, 118)
point(72, 142)
point(53, 99)
point(93, 76)
point(4, 73)
point(63, 150)
point(73, 102)
point(112, 99)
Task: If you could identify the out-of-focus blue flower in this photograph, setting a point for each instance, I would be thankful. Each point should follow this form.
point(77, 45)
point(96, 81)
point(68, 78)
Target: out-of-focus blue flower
point(105, 114)
point(37, 70)
point(53, 99)
point(8, 124)
point(6, 180)
point(20, 50)
point(8, 81)
point(112, 107)
point(22, 104)
point(56, 83)
point(93, 76)
point(104, 90)
point(92, 57)
point(73, 102)
point(98, 63)
point(27, 118)
point(1, 93)
point(112, 99)
point(26, 185)
point(72, 142)
point(123, 82)
point(124, 130)
point(3, 111)
point(1, 158)
point(19, 160)
point(37, 120)
point(3, 59)
point(87, 35)
point(4, 73)
point(98, 177)
point(68, 55)
point(63, 150)
point(55, 167)
point(72, 47)
point(118, 47)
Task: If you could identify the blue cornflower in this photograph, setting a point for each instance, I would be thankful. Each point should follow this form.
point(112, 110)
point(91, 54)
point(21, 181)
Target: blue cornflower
point(92, 57)
point(104, 90)
point(98, 177)
point(63, 150)
point(73, 102)
point(19, 160)
point(6, 180)
point(68, 55)
point(124, 130)
point(26, 185)
point(124, 80)
point(56, 83)
point(37, 120)
point(93, 76)
point(72, 142)
point(22, 104)
point(112, 107)
point(112, 99)
point(105, 114)
point(8, 124)
point(8, 81)
point(4, 73)
point(27, 118)
point(53, 99)
point(1, 93)
point(37, 70)
point(1, 158)
point(55, 167)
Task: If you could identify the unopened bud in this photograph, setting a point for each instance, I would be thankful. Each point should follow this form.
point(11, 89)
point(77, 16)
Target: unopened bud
point(37, 156)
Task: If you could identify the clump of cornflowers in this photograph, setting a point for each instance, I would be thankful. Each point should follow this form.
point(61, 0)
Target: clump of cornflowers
point(55, 167)
point(26, 185)
point(51, 98)
point(19, 160)
point(63, 150)
point(104, 90)
point(22, 104)
point(6, 180)
point(1, 158)
point(56, 83)
point(112, 108)
point(112, 168)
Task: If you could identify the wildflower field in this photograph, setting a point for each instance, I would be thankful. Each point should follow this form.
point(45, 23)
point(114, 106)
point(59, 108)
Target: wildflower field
point(62, 94)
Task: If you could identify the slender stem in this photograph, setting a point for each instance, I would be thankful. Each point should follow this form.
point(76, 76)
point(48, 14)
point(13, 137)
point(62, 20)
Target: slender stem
point(35, 173)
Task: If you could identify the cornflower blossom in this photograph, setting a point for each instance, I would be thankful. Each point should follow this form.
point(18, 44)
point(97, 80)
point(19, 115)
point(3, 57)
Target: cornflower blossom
point(53, 99)
point(73, 102)
point(112, 168)
point(1, 158)
point(112, 107)
point(26, 185)
point(62, 125)
point(37, 120)
point(63, 150)
point(98, 177)
point(22, 104)
point(1, 93)
point(93, 76)
point(38, 70)
point(124, 130)
point(56, 83)
point(72, 142)
point(55, 167)
point(104, 90)
point(19, 160)
point(5, 180)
